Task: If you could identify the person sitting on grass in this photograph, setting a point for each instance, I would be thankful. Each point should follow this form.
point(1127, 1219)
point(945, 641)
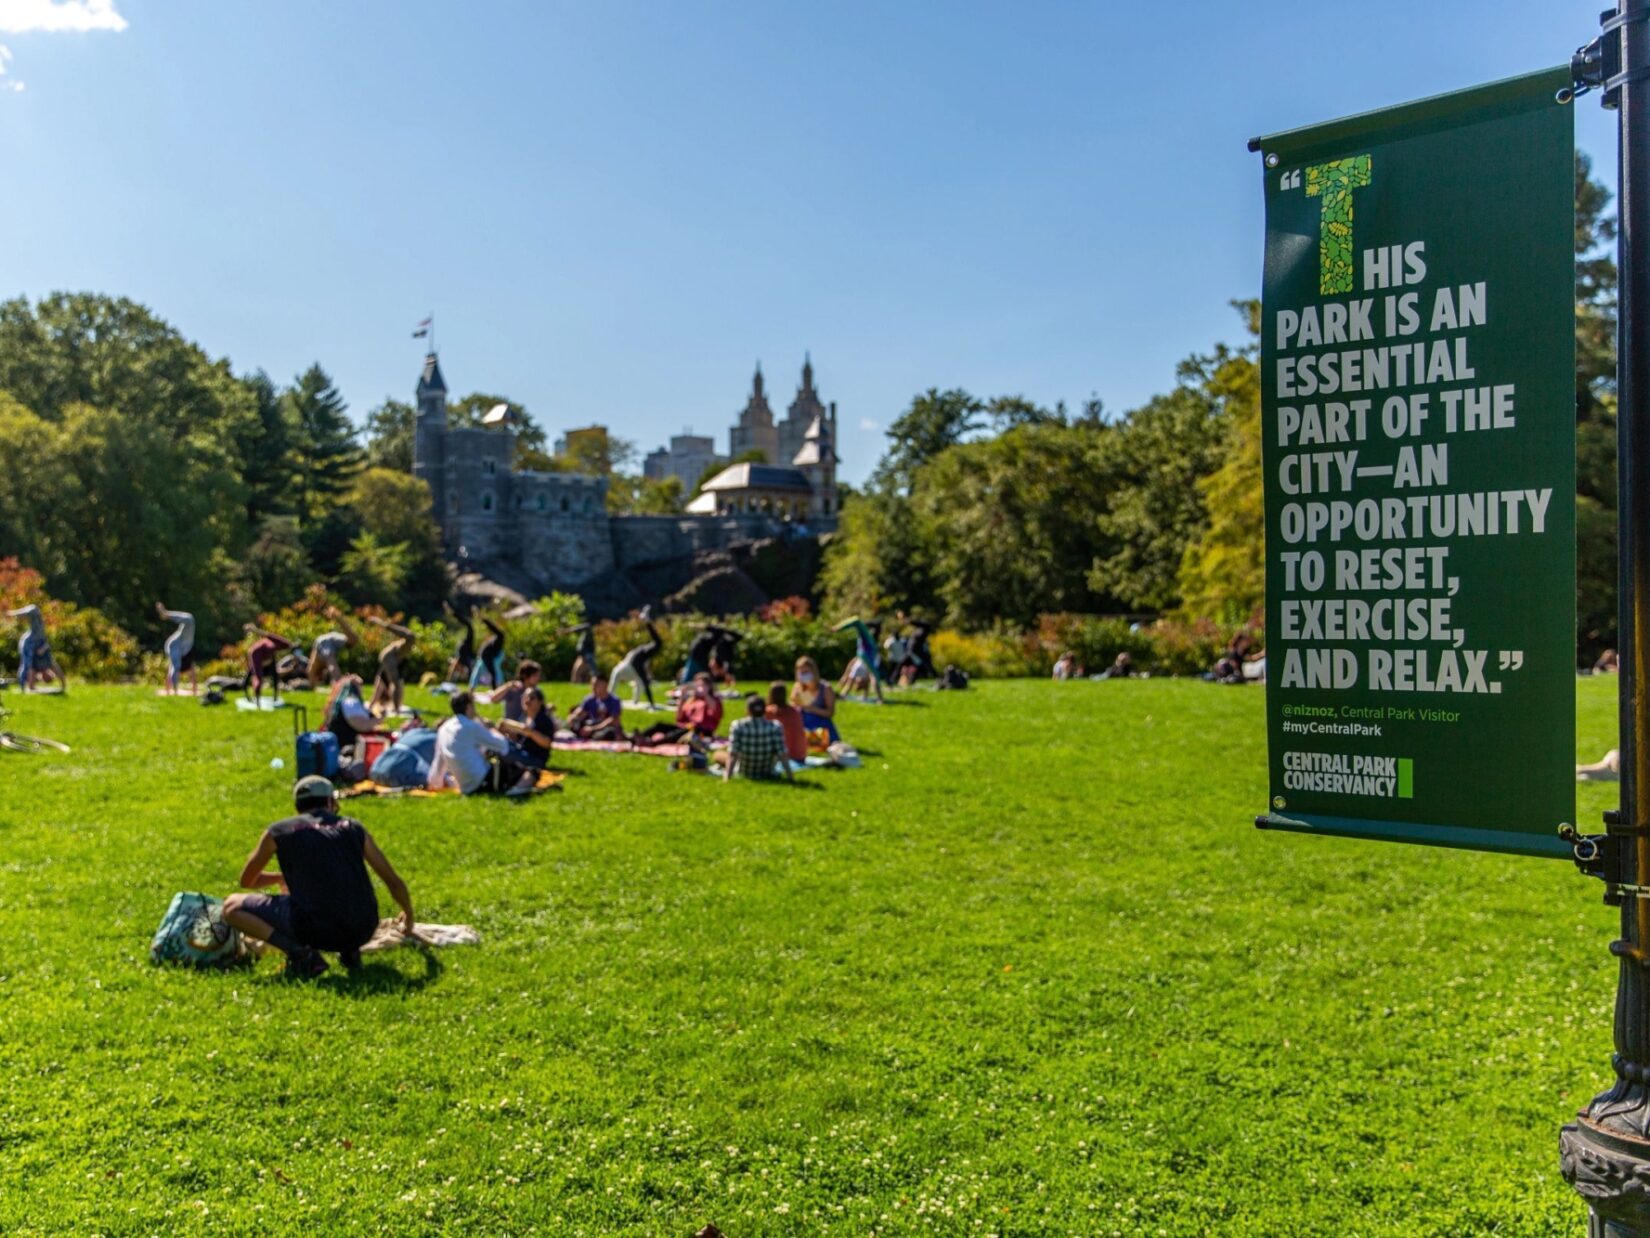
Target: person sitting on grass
point(813, 696)
point(326, 899)
point(261, 658)
point(1067, 667)
point(1122, 667)
point(599, 715)
point(346, 715)
point(533, 735)
point(789, 719)
point(180, 648)
point(756, 747)
point(388, 688)
point(323, 654)
point(35, 659)
point(528, 675)
point(699, 713)
point(462, 747)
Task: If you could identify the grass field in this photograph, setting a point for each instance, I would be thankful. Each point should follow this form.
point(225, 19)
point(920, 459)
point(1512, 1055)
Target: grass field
point(1030, 971)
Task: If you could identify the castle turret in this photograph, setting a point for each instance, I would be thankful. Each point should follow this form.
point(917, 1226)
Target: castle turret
point(430, 436)
point(816, 459)
point(755, 429)
point(801, 414)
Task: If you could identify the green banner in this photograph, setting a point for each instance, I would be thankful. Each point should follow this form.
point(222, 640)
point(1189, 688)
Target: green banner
point(1418, 403)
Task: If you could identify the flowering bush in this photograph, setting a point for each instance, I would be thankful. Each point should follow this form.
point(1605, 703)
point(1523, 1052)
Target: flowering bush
point(88, 644)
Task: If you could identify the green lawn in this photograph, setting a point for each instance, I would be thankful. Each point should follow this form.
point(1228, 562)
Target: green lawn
point(1030, 971)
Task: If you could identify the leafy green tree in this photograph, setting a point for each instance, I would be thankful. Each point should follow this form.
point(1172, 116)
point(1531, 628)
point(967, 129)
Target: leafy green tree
point(1152, 508)
point(1595, 415)
point(643, 496)
point(1003, 526)
point(1008, 411)
point(1223, 572)
point(372, 572)
point(876, 561)
point(275, 570)
point(390, 436)
point(264, 449)
point(325, 453)
point(936, 420)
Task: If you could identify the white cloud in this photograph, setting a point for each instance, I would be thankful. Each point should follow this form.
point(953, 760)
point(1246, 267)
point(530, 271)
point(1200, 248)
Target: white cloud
point(53, 16)
point(865, 423)
point(5, 55)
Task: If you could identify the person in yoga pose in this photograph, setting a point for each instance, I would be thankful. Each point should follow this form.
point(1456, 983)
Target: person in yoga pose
point(599, 715)
point(323, 655)
point(636, 666)
point(326, 899)
point(868, 672)
point(721, 656)
point(813, 696)
point(464, 657)
point(701, 649)
point(490, 662)
point(388, 688)
point(180, 648)
point(699, 713)
point(35, 659)
point(261, 658)
point(584, 653)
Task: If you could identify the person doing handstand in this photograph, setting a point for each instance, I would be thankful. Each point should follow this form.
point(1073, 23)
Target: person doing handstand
point(323, 655)
point(584, 653)
point(326, 899)
point(869, 670)
point(636, 666)
point(388, 687)
point(491, 660)
point(261, 658)
point(180, 648)
point(464, 657)
point(34, 652)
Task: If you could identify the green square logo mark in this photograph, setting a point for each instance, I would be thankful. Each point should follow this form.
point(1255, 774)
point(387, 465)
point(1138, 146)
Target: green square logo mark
point(1406, 778)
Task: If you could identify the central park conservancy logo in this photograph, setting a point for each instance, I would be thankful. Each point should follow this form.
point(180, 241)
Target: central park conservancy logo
point(1340, 773)
point(1332, 183)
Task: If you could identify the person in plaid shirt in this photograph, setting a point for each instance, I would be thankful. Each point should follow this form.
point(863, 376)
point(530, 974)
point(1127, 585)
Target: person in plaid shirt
point(756, 745)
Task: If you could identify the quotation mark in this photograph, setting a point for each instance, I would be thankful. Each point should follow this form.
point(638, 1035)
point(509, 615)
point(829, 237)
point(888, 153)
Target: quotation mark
point(1511, 659)
point(1290, 180)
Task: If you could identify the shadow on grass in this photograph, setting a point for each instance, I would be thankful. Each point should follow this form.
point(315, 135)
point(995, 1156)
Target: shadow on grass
point(377, 978)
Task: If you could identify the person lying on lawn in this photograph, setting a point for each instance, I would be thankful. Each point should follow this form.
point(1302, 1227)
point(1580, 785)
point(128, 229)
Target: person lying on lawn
point(756, 747)
point(326, 899)
point(528, 674)
point(599, 715)
point(464, 745)
point(699, 713)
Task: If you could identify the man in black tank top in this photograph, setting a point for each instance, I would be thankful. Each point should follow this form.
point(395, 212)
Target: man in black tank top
point(327, 900)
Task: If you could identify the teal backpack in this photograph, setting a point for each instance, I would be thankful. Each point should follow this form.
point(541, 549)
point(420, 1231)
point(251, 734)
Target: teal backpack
point(194, 932)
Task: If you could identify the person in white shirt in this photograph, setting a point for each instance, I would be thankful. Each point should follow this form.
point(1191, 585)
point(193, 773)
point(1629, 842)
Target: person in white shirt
point(461, 747)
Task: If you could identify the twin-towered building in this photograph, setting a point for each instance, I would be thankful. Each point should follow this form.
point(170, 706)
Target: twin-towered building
point(796, 474)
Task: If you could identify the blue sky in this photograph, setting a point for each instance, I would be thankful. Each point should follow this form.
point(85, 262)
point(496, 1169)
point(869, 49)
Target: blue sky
point(614, 209)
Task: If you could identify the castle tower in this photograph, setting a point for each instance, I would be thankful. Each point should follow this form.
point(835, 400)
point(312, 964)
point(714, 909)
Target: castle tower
point(817, 459)
point(430, 436)
point(755, 428)
point(801, 414)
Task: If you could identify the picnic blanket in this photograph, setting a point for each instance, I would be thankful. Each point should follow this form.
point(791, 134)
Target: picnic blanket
point(389, 935)
point(549, 780)
point(264, 704)
point(619, 745)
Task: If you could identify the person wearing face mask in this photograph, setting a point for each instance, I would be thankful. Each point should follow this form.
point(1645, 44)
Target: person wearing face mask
point(700, 713)
point(813, 696)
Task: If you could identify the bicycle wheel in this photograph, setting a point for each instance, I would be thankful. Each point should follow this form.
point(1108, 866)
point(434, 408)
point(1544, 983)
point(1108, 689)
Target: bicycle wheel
point(30, 743)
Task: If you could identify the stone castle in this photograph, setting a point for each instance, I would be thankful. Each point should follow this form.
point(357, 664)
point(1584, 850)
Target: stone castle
point(535, 531)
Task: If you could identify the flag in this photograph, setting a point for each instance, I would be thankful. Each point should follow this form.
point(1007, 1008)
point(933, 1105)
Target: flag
point(423, 329)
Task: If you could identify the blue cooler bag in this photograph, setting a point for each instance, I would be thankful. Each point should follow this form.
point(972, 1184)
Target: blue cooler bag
point(316, 751)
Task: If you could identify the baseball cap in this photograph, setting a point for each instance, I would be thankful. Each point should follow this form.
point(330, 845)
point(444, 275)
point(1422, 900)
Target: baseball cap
point(312, 790)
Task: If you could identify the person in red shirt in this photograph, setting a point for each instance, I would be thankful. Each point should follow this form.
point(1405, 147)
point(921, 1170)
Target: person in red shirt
point(700, 713)
point(789, 718)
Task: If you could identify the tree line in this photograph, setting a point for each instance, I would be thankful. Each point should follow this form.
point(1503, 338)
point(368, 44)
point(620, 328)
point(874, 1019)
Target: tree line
point(998, 511)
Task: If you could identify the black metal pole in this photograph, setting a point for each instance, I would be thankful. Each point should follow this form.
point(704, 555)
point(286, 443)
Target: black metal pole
point(1605, 1152)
